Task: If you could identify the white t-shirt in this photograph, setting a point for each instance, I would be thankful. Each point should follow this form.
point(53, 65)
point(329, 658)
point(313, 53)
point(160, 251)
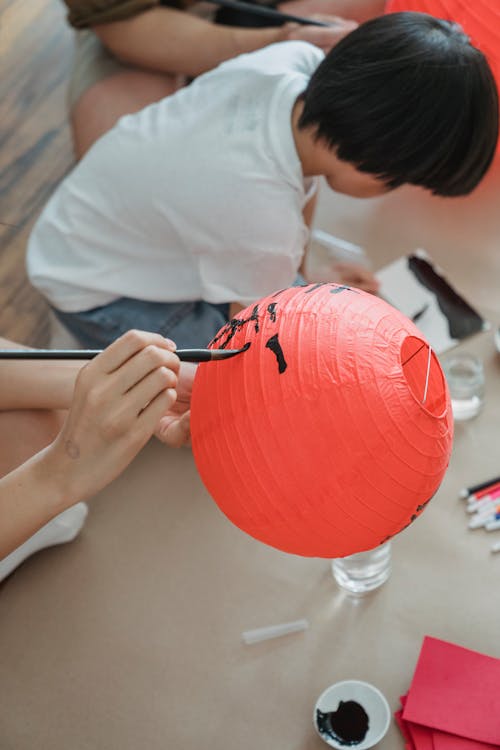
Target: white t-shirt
point(198, 196)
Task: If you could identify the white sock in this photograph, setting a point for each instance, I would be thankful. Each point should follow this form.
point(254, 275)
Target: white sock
point(63, 528)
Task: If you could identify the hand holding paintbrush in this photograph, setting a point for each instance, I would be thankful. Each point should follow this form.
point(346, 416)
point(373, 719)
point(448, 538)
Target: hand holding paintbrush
point(172, 427)
point(118, 400)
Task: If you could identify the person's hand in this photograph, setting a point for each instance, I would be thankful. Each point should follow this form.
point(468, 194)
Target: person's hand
point(353, 274)
point(339, 272)
point(324, 37)
point(118, 401)
point(174, 427)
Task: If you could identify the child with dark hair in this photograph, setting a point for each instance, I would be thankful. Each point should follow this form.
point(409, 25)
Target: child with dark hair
point(201, 200)
point(423, 112)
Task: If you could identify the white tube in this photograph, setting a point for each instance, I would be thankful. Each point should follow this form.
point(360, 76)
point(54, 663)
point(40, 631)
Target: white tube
point(340, 249)
point(273, 631)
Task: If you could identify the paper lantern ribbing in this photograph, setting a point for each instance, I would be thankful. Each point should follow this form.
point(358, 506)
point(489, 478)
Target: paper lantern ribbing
point(480, 19)
point(332, 431)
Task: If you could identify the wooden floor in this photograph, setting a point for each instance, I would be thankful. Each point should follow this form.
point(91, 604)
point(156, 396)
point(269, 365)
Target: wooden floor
point(35, 149)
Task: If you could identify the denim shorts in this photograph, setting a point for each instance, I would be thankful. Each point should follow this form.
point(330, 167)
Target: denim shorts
point(189, 324)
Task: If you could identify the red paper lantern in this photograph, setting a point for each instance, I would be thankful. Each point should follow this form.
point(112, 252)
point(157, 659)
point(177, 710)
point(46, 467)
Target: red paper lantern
point(332, 431)
point(480, 19)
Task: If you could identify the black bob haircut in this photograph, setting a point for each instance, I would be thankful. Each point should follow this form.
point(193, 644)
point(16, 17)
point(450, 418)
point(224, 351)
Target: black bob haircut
point(407, 98)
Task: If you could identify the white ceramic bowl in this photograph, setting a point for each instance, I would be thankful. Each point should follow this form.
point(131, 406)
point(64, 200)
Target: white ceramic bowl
point(367, 696)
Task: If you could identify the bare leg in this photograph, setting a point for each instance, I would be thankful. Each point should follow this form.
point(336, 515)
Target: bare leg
point(99, 108)
point(356, 10)
point(23, 433)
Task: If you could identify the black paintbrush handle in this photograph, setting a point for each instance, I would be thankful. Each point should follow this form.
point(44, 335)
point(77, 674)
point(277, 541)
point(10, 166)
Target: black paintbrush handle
point(49, 353)
point(185, 355)
point(263, 10)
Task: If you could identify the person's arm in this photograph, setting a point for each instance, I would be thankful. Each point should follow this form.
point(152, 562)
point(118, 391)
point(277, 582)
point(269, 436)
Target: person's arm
point(308, 216)
point(350, 274)
point(356, 10)
point(173, 41)
point(118, 401)
point(36, 384)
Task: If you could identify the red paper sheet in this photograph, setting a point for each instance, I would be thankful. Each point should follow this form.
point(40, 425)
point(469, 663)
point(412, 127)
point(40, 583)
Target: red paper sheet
point(403, 728)
point(421, 736)
point(445, 741)
point(457, 691)
point(418, 737)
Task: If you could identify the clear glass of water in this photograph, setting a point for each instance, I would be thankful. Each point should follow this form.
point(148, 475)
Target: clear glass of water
point(465, 377)
point(364, 571)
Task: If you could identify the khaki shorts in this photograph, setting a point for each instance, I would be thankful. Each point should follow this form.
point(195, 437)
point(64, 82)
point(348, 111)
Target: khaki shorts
point(85, 13)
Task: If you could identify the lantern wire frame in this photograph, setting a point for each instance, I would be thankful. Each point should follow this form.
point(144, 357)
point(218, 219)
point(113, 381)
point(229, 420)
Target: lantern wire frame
point(417, 358)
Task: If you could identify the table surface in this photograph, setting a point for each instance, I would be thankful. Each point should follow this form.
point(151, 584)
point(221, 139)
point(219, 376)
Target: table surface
point(131, 636)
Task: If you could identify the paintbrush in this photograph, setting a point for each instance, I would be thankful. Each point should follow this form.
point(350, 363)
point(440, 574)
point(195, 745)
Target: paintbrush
point(262, 10)
point(185, 355)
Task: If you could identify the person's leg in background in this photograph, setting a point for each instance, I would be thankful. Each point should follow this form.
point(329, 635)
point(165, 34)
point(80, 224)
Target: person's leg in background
point(102, 90)
point(134, 53)
point(22, 434)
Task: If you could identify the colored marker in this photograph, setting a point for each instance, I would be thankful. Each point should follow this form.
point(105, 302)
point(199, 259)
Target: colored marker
point(478, 487)
point(480, 504)
point(481, 493)
point(484, 519)
point(486, 513)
